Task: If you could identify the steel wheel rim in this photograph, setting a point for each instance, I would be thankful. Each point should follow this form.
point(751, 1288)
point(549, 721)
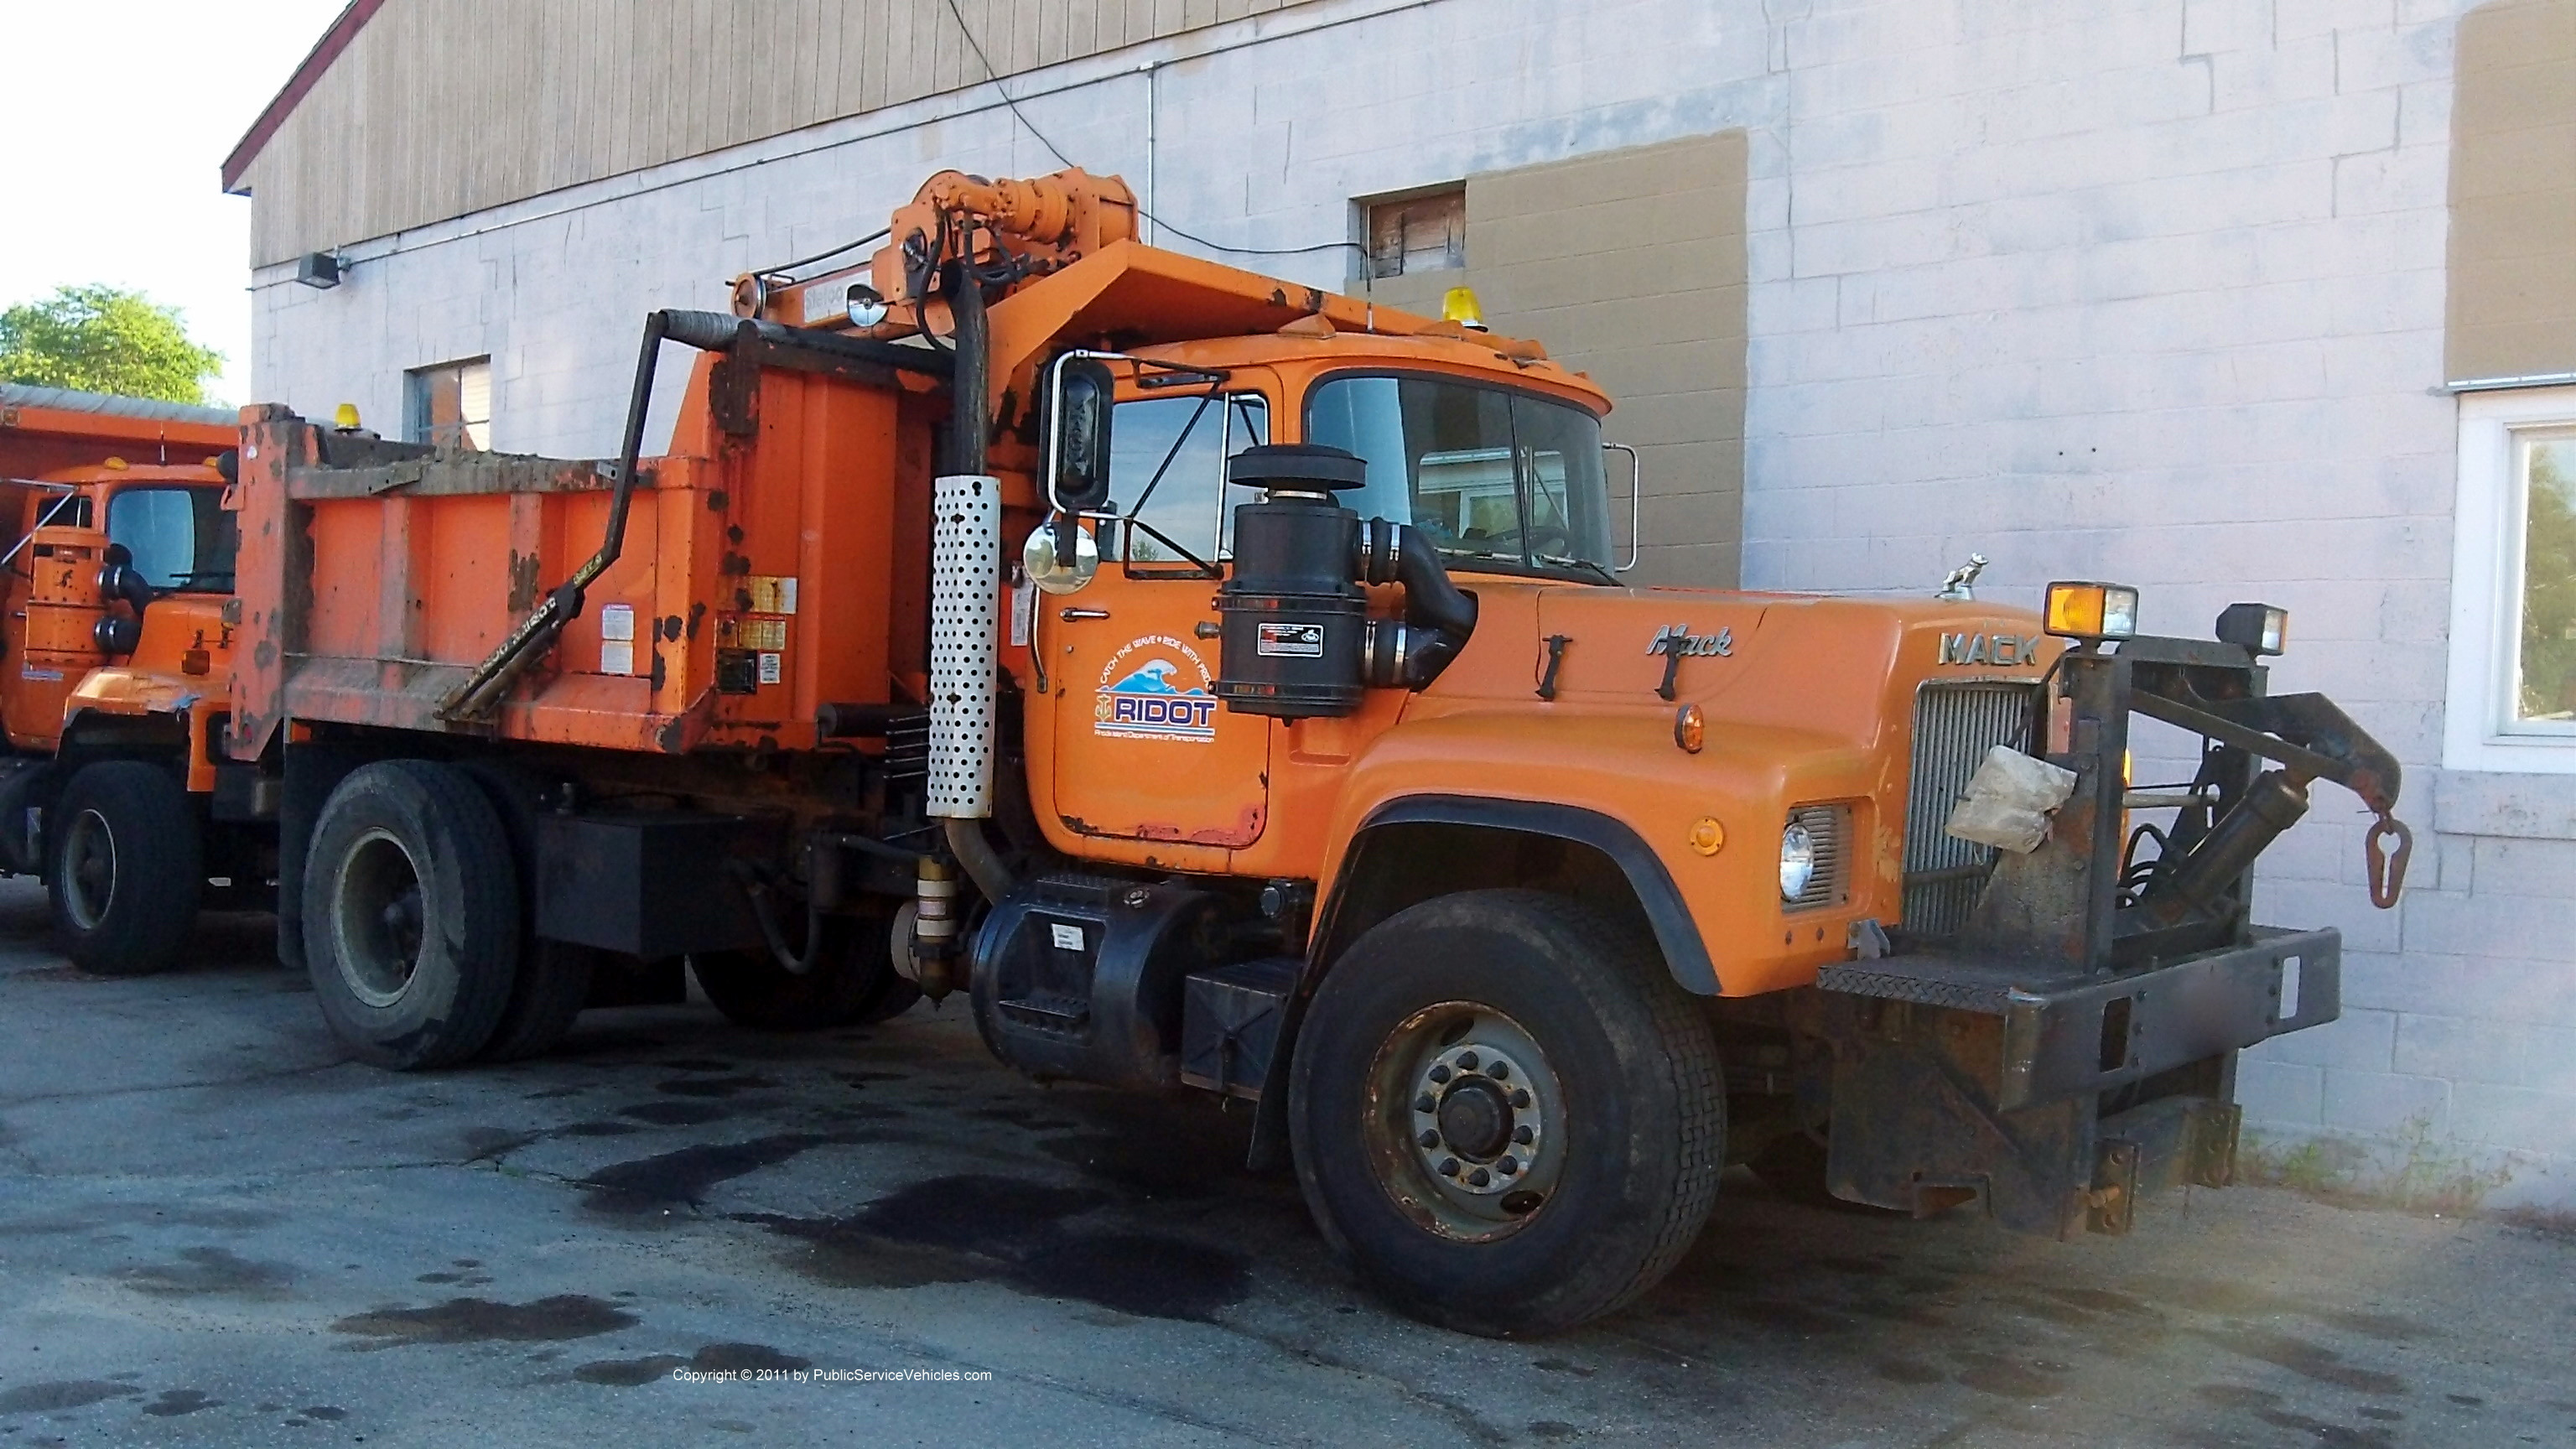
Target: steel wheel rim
point(1466, 1125)
point(89, 869)
point(379, 918)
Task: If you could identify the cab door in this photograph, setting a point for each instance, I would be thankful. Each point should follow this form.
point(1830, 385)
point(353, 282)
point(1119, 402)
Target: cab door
point(1143, 749)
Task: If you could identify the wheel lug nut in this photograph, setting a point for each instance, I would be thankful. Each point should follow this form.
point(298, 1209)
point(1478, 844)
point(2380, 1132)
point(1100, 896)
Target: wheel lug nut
point(1520, 1098)
point(1479, 1178)
point(1522, 1135)
point(1439, 1074)
point(1467, 1061)
point(1508, 1166)
point(1448, 1167)
point(1428, 1138)
point(1424, 1103)
point(1499, 1070)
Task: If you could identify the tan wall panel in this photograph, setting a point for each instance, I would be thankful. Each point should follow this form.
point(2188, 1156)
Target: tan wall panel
point(443, 107)
point(2513, 192)
point(1630, 266)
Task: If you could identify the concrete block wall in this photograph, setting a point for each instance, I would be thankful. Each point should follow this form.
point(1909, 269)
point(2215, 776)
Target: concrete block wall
point(2142, 289)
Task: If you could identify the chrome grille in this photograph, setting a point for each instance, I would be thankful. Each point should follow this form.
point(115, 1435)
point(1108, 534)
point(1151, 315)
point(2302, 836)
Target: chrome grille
point(1954, 726)
point(1828, 827)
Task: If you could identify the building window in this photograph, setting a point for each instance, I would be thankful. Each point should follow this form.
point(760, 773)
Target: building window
point(451, 404)
point(1425, 232)
point(2512, 690)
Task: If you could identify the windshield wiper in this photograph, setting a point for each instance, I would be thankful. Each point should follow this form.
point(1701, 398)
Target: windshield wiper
point(1585, 564)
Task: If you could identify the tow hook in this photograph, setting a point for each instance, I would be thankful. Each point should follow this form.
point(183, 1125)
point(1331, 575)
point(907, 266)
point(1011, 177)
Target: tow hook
point(2387, 867)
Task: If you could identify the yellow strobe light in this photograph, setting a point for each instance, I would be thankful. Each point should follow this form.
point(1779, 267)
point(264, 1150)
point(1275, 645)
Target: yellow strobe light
point(1459, 305)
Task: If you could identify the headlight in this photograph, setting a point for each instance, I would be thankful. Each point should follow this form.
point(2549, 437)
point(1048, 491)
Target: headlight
point(2092, 611)
point(2259, 627)
point(1797, 861)
point(865, 308)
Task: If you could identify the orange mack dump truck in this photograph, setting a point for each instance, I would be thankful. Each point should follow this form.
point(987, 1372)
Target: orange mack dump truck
point(114, 666)
point(1309, 750)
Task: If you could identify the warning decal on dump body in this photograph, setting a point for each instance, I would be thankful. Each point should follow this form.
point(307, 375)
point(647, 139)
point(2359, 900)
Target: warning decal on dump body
point(733, 631)
point(617, 639)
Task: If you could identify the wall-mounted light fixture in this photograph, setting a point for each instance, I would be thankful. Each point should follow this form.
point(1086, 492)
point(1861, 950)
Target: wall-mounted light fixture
point(319, 270)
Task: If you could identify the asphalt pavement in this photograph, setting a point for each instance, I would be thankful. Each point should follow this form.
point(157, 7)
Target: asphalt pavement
point(216, 1231)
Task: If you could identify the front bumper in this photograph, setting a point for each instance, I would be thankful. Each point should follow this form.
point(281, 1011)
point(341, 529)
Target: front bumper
point(2058, 1098)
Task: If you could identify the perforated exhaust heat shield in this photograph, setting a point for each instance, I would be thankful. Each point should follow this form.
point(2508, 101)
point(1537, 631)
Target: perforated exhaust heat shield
point(965, 618)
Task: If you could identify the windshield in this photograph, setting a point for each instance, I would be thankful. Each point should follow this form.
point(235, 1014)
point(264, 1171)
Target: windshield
point(1488, 472)
point(181, 538)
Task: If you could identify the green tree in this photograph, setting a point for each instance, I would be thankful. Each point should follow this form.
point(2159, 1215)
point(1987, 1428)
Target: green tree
point(2549, 584)
point(105, 339)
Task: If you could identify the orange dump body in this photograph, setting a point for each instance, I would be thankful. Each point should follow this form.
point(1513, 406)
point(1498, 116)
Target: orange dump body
point(757, 580)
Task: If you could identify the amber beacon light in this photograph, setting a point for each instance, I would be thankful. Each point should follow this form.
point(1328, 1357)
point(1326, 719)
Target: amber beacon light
point(2092, 611)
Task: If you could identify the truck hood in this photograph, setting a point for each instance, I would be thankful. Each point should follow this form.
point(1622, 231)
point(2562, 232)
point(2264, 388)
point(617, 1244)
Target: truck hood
point(1832, 665)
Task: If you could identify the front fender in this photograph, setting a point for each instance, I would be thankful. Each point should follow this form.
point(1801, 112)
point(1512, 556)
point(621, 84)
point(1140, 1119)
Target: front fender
point(1612, 778)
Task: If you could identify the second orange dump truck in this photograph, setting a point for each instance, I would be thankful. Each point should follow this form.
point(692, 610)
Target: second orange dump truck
point(115, 662)
point(1303, 745)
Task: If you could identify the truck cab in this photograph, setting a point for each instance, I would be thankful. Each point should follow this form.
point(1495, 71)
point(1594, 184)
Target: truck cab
point(114, 671)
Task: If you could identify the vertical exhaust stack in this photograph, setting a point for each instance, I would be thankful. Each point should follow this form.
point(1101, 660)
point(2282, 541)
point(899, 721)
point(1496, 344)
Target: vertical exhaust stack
point(965, 617)
point(965, 606)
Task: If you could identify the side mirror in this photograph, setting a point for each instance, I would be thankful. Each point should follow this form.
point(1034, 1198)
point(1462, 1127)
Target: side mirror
point(1078, 423)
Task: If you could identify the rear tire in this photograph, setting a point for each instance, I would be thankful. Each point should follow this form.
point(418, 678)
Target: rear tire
point(411, 915)
point(125, 868)
point(853, 977)
point(1577, 1120)
point(553, 979)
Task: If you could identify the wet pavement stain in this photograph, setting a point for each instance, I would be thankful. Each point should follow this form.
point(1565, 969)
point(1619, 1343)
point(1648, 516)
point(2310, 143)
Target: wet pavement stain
point(682, 1178)
point(173, 1402)
point(484, 1143)
point(598, 1129)
point(1144, 1274)
point(1012, 1232)
point(627, 1373)
point(2307, 1360)
point(481, 1320)
point(677, 1114)
point(698, 1064)
point(207, 1271)
point(56, 1394)
point(714, 1086)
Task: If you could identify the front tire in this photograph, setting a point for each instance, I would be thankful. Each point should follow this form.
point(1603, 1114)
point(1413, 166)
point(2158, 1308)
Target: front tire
point(1507, 1118)
point(126, 868)
point(411, 915)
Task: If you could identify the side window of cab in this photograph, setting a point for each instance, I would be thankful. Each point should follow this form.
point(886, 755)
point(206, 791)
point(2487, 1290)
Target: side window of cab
point(1167, 459)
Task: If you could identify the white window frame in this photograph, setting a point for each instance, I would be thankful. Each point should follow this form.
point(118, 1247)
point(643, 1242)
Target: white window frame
point(2486, 587)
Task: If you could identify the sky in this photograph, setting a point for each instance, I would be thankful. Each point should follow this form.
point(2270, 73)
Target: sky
point(119, 115)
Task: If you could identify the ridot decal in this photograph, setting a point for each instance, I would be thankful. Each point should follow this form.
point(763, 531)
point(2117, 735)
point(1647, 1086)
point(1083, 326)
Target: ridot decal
point(1156, 688)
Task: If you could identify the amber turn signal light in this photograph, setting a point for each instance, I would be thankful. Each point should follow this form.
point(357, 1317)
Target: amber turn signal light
point(2092, 611)
point(1690, 728)
point(1708, 837)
